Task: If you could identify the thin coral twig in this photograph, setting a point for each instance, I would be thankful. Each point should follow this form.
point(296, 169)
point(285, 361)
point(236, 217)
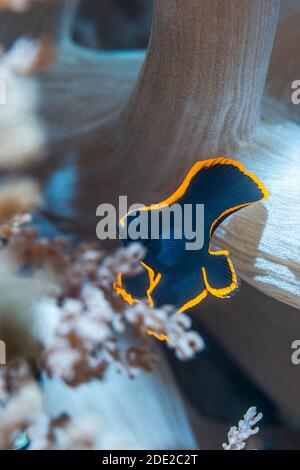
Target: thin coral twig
point(238, 436)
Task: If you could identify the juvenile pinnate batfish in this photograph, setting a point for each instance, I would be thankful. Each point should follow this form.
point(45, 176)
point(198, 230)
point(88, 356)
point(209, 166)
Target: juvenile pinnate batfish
point(177, 270)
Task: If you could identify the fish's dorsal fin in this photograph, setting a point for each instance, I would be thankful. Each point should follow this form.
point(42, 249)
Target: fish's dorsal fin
point(223, 186)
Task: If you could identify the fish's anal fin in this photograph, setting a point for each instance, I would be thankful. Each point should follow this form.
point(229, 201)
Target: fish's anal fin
point(194, 301)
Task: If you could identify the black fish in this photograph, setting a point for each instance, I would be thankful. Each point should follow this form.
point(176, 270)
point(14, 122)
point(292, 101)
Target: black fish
point(173, 274)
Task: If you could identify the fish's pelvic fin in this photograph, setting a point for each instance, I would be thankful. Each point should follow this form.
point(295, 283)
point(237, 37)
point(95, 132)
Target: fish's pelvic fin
point(137, 288)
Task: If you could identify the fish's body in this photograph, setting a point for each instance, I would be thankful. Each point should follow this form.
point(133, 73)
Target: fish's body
point(179, 268)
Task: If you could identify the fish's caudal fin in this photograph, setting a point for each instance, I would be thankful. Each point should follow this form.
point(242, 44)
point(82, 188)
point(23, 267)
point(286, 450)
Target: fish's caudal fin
point(219, 276)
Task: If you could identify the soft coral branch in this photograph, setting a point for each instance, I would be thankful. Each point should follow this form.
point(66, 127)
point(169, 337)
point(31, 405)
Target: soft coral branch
point(78, 319)
point(238, 436)
point(20, 392)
